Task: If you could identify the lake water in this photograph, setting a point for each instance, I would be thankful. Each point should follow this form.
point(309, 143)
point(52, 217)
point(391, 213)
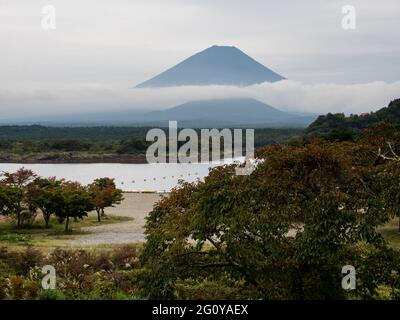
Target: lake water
point(128, 177)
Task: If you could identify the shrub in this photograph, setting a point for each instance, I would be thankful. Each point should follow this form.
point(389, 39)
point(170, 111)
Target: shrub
point(126, 257)
point(17, 288)
point(208, 289)
point(31, 290)
point(24, 261)
point(54, 294)
point(4, 288)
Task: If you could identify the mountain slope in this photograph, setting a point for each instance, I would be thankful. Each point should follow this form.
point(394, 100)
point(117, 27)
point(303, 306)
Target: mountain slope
point(228, 113)
point(217, 65)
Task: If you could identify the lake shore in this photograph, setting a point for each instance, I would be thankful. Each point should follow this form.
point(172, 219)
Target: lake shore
point(131, 159)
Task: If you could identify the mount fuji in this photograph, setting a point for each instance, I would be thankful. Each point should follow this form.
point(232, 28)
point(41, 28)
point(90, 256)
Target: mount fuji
point(217, 65)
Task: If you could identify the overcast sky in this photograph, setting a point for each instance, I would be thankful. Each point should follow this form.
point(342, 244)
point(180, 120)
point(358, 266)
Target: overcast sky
point(100, 49)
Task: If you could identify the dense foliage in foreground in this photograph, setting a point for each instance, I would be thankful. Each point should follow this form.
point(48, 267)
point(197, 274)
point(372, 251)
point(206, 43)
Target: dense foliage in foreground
point(80, 274)
point(285, 231)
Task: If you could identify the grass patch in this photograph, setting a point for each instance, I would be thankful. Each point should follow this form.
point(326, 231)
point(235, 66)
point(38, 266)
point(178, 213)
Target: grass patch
point(37, 233)
point(15, 238)
point(391, 233)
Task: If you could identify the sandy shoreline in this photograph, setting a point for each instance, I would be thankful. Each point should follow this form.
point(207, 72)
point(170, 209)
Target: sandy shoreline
point(136, 206)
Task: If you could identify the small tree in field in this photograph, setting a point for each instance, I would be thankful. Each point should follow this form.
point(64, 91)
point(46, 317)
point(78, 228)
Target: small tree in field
point(104, 194)
point(14, 194)
point(45, 194)
point(73, 201)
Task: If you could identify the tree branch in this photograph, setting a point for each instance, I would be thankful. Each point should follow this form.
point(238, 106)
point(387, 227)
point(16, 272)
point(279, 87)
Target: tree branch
point(384, 156)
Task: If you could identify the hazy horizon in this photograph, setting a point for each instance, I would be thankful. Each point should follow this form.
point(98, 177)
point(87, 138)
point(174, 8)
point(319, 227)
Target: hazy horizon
point(101, 49)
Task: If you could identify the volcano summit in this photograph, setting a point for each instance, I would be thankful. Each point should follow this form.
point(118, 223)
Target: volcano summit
point(217, 65)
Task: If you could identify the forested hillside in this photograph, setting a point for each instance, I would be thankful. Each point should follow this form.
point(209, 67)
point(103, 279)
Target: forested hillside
point(339, 127)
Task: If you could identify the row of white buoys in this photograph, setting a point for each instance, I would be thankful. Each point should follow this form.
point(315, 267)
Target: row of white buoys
point(164, 178)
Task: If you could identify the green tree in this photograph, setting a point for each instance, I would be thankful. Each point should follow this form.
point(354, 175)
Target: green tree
point(45, 194)
point(284, 232)
point(104, 194)
point(74, 201)
point(14, 198)
point(382, 143)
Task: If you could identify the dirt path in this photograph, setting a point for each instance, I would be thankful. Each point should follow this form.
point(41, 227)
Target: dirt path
point(135, 205)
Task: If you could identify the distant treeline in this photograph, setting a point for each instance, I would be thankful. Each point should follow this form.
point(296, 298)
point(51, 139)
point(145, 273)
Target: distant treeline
point(40, 143)
point(39, 132)
point(43, 133)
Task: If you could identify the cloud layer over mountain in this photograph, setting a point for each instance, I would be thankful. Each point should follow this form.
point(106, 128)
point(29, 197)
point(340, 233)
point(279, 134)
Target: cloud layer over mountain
point(101, 48)
point(285, 95)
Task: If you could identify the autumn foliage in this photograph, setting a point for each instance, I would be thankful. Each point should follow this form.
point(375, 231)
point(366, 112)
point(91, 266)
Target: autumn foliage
point(284, 232)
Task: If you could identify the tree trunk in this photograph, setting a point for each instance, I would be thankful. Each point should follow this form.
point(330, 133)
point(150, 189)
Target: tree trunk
point(46, 217)
point(18, 220)
point(399, 224)
point(102, 212)
point(98, 215)
point(66, 224)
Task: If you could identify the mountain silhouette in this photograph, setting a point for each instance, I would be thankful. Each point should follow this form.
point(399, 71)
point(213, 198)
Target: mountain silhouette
point(217, 65)
point(227, 113)
point(216, 113)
